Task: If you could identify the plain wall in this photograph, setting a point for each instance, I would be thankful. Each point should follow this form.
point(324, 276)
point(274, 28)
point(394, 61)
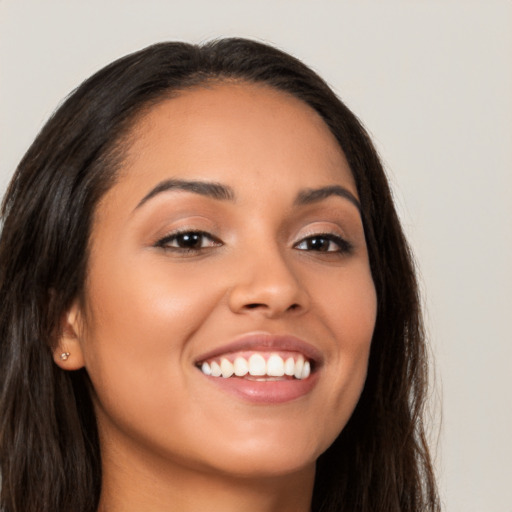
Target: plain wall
point(432, 81)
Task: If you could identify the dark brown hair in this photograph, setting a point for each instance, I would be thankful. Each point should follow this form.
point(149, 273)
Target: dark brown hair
point(49, 451)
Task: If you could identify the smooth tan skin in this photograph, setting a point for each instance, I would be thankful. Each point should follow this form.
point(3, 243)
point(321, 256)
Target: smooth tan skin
point(171, 440)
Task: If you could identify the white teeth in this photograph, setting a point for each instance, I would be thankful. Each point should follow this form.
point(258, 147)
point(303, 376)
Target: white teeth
point(205, 368)
point(306, 370)
point(299, 364)
point(275, 366)
point(289, 367)
point(257, 365)
point(241, 367)
point(226, 368)
point(216, 371)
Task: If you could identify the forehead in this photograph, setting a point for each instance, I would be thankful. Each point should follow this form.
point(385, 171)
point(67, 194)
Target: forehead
point(240, 133)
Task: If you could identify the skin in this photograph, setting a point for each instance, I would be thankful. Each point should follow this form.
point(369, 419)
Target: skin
point(170, 439)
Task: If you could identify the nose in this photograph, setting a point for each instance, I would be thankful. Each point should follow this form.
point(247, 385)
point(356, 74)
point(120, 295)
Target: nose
point(266, 283)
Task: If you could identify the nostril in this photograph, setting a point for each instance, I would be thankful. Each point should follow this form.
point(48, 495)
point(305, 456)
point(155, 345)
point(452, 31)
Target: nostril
point(254, 306)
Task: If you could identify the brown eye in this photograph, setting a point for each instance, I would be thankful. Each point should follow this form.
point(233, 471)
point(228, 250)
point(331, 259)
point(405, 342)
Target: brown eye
point(188, 241)
point(324, 243)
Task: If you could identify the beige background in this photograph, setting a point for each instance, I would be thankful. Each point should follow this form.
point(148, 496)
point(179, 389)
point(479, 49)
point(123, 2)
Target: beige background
point(432, 81)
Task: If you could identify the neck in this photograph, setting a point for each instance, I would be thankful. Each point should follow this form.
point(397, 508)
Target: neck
point(135, 485)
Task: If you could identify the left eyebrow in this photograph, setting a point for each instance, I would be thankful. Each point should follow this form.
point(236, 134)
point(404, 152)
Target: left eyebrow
point(313, 195)
point(203, 188)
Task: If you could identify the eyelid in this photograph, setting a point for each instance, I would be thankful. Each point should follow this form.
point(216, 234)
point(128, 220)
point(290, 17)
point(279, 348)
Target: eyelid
point(319, 228)
point(328, 230)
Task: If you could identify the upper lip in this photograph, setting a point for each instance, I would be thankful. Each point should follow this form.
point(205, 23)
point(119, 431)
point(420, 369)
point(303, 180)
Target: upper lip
point(261, 341)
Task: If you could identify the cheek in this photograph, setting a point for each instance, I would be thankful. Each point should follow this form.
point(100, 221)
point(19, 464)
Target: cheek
point(357, 322)
point(350, 316)
point(137, 333)
point(350, 308)
point(136, 349)
point(147, 303)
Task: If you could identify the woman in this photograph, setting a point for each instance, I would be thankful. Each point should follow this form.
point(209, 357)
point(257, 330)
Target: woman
point(207, 299)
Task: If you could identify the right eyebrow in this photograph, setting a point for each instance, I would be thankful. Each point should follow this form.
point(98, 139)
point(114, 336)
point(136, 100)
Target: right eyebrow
point(203, 188)
point(312, 195)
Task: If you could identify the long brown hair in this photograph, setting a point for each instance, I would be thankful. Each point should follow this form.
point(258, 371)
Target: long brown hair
point(49, 451)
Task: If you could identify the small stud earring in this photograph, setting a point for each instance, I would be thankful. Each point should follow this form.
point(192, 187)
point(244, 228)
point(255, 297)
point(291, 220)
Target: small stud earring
point(64, 356)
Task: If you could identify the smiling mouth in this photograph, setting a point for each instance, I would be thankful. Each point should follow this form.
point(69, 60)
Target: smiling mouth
point(259, 367)
point(262, 368)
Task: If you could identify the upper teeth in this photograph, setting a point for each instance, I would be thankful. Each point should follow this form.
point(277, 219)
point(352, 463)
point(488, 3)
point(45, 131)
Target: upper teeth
point(257, 366)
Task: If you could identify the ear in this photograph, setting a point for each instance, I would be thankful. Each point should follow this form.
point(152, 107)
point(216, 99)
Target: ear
point(68, 353)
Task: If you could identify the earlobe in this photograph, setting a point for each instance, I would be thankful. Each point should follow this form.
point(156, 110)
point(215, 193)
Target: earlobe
point(68, 353)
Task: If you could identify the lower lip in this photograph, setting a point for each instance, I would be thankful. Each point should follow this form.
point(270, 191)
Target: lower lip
point(266, 392)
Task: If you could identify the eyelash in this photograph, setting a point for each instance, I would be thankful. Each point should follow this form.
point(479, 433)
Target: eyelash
point(165, 243)
point(343, 246)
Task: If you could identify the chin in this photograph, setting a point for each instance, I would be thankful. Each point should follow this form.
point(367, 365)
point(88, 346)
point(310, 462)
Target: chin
point(270, 456)
point(261, 467)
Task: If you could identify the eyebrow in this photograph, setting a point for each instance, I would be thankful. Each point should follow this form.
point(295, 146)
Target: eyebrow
point(225, 193)
point(313, 195)
point(203, 188)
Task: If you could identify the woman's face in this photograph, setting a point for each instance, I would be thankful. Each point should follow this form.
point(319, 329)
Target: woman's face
point(231, 242)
